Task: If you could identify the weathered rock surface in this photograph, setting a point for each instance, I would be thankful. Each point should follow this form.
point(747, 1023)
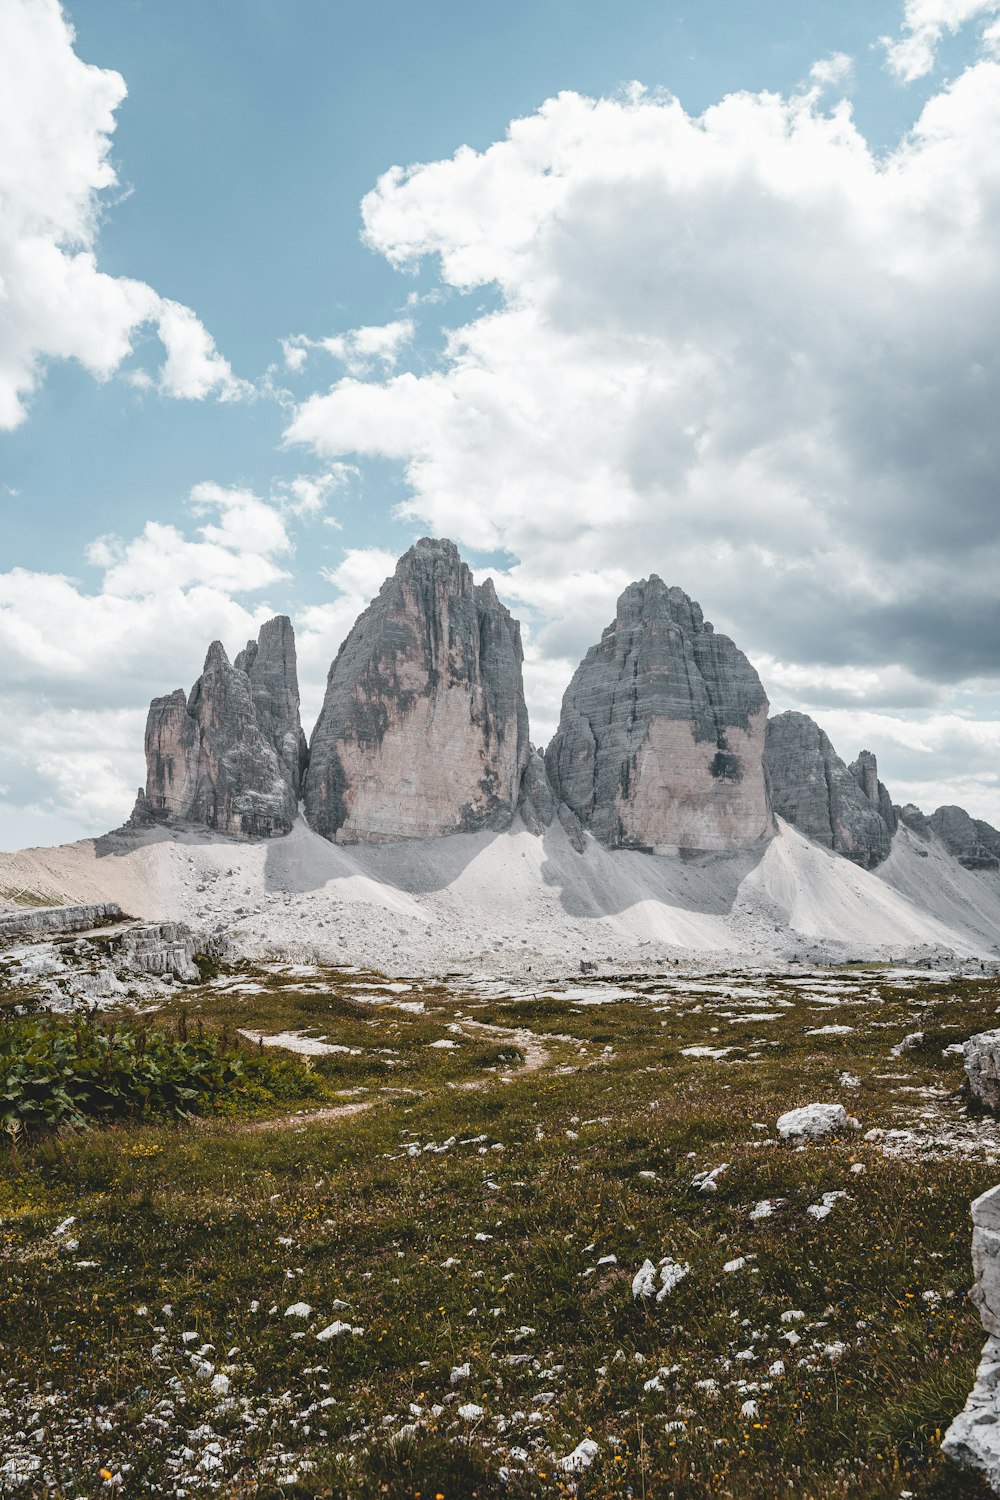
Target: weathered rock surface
point(537, 802)
point(973, 842)
point(916, 821)
point(842, 808)
point(423, 729)
point(974, 1436)
point(982, 1067)
point(229, 757)
point(270, 664)
point(158, 948)
point(40, 921)
point(812, 1121)
point(661, 737)
point(865, 772)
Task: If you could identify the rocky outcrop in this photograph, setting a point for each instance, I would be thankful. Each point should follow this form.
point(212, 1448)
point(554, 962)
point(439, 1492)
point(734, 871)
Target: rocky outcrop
point(230, 756)
point(158, 948)
point(974, 843)
point(270, 664)
point(661, 735)
point(916, 821)
point(812, 788)
point(974, 1436)
point(423, 729)
point(537, 802)
point(41, 921)
point(865, 772)
point(982, 1068)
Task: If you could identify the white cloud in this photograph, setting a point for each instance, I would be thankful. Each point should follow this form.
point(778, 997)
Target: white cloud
point(360, 350)
point(832, 72)
point(912, 54)
point(742, 350)
point(57, 116)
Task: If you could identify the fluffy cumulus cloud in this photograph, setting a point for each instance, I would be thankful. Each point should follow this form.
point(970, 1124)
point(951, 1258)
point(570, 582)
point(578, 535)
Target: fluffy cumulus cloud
point(740, 349)
point(57, 115)
point(912, 54)
point(140, 629)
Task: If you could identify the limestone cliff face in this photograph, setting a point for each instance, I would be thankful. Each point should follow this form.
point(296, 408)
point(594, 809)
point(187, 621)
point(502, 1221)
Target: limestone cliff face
point(270, 664)
point(846, 809)
point(229, 756)
point(661, 736)
point(423, 729)
point(973, 842)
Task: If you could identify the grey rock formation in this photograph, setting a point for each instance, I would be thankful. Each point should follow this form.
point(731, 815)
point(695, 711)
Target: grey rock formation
point(865, 772)
point(812, 788)
point(661, 736)
point(973, 842)
point(974, 1436)
point(230, 756)
point(537, 802)
point(423, 729)
point(158, 948)
point(982, 1068)
point(270, 664)
point(916, 821)
point(41, 921)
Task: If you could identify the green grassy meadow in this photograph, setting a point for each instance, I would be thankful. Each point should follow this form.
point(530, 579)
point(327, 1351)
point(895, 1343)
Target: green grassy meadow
point(407, 1270)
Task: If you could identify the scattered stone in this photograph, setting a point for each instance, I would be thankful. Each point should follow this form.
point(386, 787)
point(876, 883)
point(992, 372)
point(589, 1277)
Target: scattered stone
point(813, 1121)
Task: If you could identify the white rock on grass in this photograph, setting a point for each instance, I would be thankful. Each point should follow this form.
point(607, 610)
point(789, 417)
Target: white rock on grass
point(298, 1310)
point(581, 1458)
point(982, 1068)
point(974, 1436)
point(644, 1280)
point(814, 1121)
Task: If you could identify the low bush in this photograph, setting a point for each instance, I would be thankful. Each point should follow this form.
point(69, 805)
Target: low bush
point(60, 1071)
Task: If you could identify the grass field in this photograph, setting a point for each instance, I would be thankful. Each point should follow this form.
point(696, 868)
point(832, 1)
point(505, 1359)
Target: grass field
point(427, 1290)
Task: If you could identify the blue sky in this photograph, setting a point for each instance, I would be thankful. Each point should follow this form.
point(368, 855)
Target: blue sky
point(250, 135)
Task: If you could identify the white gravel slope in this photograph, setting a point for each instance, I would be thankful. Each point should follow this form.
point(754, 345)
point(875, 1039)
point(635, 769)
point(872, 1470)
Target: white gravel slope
point(511, 902)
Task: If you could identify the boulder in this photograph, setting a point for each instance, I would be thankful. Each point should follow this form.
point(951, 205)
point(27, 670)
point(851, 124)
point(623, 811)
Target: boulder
point(813, 1121)
point(423, 729)
point(982, 1068)
point(974, 1436)
point(230, 756)
point(813, 789)
point(661, 736)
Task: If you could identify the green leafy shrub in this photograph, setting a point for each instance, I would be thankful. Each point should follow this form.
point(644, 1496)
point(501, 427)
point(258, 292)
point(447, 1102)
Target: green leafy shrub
point(74, 1071)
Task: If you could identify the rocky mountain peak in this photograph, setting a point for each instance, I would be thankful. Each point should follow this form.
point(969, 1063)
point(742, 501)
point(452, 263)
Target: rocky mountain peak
point(661, 736)
point(423, 729)
point(226, 756)
point(847, 809)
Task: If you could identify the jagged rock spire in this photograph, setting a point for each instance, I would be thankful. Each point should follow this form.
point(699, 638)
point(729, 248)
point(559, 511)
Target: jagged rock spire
point(661, 734)
point(423, 729)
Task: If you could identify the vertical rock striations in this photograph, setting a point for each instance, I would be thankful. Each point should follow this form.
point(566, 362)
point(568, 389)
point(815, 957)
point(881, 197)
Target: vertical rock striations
point(423, 729)
point(229, 757)
point(661, 737)
point(865, 772)
point(973, 842)
point(270, 664)
point(974, 1436)
point(811, 787)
